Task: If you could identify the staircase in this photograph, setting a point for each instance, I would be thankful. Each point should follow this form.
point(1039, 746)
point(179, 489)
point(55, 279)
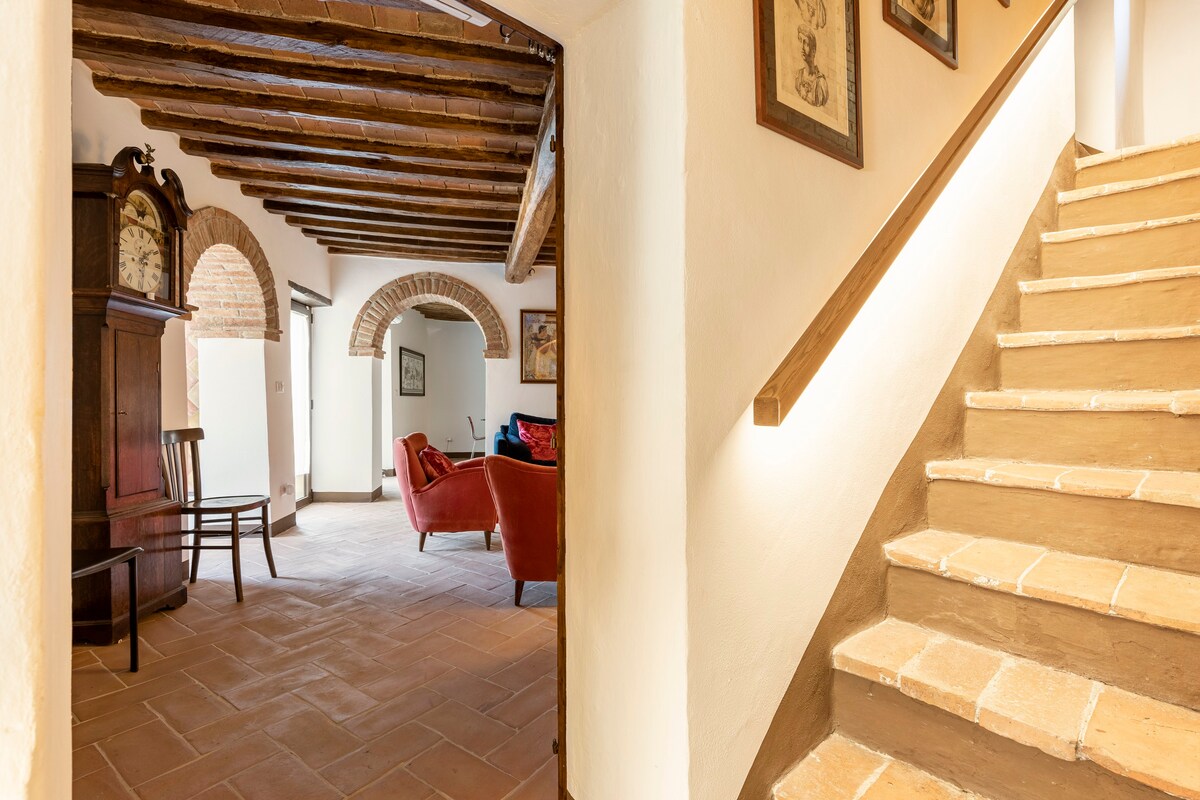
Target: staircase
point(1042, 638)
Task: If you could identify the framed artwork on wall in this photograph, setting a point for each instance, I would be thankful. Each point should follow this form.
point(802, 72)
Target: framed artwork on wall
point(806, 55)
point(412, 373)
point(933, 24)
point(539, 346)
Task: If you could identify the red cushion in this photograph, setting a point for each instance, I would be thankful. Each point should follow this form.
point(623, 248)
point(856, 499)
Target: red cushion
point(539, 438)
point(435, 463)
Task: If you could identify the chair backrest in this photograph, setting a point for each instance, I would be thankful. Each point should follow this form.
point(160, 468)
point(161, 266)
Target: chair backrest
point(474, 435)
point(181, 463)
point(409, 472)
point(526, 498)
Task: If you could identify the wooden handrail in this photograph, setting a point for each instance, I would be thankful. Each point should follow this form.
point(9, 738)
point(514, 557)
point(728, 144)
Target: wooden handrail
point(792, 377)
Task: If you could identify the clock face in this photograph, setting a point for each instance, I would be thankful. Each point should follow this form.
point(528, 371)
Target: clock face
point(142, 247)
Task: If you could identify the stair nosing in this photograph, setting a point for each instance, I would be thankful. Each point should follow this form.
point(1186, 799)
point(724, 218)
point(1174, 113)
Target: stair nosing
point(1169, 402)
point(1163, 333)
point(1086, 282)
point(1071, 196)
point(1124, 153)
point(1117, 228)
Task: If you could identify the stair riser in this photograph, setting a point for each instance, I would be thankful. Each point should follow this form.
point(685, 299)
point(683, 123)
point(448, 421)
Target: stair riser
point(1109, 649)
point(1149, 165)
point(1166, 246)
point(1133, 439)
point(1151, 304)
point(1170, 364)
point(1170, 199)
point(964, 753)
point(1154, 534)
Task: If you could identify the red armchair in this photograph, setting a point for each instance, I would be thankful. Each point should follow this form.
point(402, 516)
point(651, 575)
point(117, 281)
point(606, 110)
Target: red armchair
point(456, 502)
point(526, 498)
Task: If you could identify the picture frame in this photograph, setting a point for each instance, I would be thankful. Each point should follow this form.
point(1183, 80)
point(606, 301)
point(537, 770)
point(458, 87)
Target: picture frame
point(412, 373)
point(807, 56)
point(933, 24)
point(539, 346)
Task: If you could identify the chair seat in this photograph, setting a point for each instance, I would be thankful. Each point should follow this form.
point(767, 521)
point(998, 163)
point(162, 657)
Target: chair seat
point(236, 504)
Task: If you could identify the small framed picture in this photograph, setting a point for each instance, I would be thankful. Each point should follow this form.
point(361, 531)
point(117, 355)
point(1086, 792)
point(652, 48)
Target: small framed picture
point(539, 346)
point(412, 373)
point(933, 24)
point(806, 55)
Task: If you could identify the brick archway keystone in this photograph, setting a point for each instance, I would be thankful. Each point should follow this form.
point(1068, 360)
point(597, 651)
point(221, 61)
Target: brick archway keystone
point(211, 226)
point(393, 299)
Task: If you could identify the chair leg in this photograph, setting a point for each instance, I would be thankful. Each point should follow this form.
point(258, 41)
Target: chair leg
point(235, 538)
point(133, 615)
point(519, 588)
point(195, 551)
point(487, 540)
point(266, 537)
point(421, 546)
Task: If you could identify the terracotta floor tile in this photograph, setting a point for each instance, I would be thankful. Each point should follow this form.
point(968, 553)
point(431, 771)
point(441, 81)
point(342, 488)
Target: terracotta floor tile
point(532, 747)
point(336, 698)
point(218, 792)
point(405, 680)
point(93, 681)
point(397, 784)
point(244, 723)
point(104, 784)
point(542, 786)
point(86, 760)
point(224, 673)
point(467, 728)
point(366, 642)
point(475, 635)
point(210, 770)
point(392, 714)
point(837, 768)
point(374, 760)
point(147, 752)
point(428, 645)
point(100, 706)
point(313, 738)
point(473, 660)
point(110, 724)
point(190, 707)
point(272, 686)
point(528, 704)
point(282, 777)
point(472, 691)
point(457, 774)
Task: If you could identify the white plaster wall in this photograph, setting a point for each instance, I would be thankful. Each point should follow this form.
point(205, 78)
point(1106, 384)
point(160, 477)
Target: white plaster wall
point(35, 403)
point(409, 414)
point(348, 428)
point(1171, 64)
point(454, 381)
point(233, 456)
point(773, 514)
point(388, 401)
point(101, 126)
point(1095, 74)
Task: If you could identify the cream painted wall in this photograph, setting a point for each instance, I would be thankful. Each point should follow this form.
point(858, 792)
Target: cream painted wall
point(1171, 64)
point(233, 456)
point(35, 404)
point(1095, 74)
point(101, 126)
point(773, 514)
point(348, 422)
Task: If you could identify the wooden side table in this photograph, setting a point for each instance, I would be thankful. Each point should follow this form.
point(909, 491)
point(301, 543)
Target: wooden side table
point(89, 562)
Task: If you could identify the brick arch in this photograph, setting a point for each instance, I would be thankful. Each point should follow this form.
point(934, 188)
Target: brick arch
point(215, 229)
point(393, 299)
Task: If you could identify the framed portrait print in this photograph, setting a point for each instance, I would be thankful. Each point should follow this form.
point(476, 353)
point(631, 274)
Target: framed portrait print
point(412, 373)
point(806, 56)
point(933, 24)
point(539, 346)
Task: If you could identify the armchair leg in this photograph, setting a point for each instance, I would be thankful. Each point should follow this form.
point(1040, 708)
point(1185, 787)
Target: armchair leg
point(487, 540)
point(519, 588)
point(421, 546)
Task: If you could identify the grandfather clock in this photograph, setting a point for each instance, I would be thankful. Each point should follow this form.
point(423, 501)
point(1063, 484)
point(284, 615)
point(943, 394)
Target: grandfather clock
point(128, 246)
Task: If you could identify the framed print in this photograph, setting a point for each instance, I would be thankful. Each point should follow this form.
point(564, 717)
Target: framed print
point(933, 24)
point(539, 346)
point(412, 373)
point(806, 55)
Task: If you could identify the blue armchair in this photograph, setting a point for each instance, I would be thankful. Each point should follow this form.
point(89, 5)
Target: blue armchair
point(508, 443)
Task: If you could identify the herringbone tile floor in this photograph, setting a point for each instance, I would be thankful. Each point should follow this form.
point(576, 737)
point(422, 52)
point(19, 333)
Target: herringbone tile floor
point(366, 670)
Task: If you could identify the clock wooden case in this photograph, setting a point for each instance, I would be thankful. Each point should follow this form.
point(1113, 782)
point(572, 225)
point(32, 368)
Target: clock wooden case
point(127, 267)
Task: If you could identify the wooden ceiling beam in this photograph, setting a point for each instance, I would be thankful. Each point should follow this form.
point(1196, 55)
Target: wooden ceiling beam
point(339, 250)
point(312, 108)
point(129, 51)
point(539, 201)
point(376, 203)
point(326, 38)
point(323, 211)
point(281, 158)
point(355, 226)
point(301, 180)
point(372, 238)
point(207, 128)
point(479, 255)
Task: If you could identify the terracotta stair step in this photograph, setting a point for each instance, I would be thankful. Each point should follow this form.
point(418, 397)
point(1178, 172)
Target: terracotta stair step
point(1180, 403)
point(1157, 196)
point(1064, 715)
point(842, 769)
point(1122, 247)
point(1164, 297)
point(1143, 161)
point(1152, 486)
point(1113, 588)
point(1050, 338)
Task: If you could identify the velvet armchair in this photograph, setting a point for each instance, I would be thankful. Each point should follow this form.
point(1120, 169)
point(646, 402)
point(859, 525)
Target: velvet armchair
point(508, 441)
point(526, 498)
point(452, 503)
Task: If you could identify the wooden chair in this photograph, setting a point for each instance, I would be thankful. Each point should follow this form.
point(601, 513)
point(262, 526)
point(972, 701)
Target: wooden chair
point(181, 465)
point(476, 437)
